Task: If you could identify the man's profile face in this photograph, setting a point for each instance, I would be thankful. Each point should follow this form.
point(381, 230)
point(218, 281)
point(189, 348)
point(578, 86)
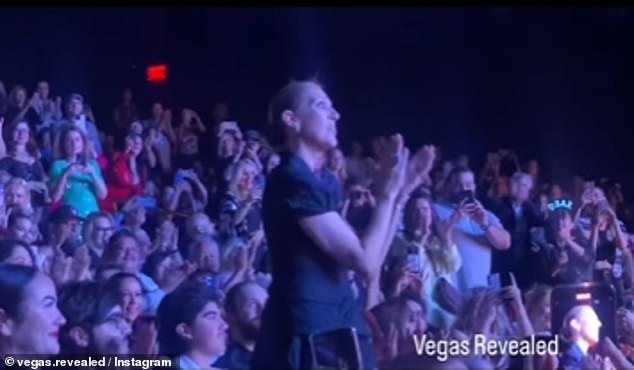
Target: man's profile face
point(590, 325)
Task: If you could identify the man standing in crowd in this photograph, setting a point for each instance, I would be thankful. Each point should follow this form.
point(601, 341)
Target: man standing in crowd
point(518, 216)
point(476, 234)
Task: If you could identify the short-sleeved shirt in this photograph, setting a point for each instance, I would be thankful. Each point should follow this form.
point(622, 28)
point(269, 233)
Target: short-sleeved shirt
point(79, 190)
point(474, 248)
point(310, 292)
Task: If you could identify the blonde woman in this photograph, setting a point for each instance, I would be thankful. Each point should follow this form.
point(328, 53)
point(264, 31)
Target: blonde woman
point(240, 214)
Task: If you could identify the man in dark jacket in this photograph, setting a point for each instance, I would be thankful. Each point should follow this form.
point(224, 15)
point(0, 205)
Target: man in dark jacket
point(518, 216)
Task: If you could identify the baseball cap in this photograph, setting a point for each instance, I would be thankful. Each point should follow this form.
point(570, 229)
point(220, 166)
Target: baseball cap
point(64, 214)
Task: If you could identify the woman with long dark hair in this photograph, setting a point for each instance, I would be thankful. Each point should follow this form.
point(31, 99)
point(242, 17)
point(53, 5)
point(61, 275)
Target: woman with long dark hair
point(312, 248)
point(29, 315)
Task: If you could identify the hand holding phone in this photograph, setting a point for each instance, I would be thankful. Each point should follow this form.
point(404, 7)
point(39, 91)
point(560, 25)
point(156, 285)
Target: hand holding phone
point(467, 196)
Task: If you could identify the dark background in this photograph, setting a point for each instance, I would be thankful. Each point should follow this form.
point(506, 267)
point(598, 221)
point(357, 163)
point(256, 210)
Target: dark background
point(552, 83)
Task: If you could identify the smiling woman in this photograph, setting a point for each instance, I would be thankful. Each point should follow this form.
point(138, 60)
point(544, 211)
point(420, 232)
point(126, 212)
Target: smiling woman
point(29, 318)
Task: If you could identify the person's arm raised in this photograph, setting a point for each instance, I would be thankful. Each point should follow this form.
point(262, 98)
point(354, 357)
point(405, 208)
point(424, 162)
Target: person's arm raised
point(417, 171)
point(336, 238)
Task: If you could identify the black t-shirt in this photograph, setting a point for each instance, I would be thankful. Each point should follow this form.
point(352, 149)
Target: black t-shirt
point(235, 357)
point(310, 291)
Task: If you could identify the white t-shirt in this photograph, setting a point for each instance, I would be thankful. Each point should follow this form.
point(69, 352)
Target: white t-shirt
point(474, 248)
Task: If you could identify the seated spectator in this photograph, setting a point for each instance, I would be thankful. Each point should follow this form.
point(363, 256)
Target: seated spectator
point(22, 161)
point(29, 317)
point(95, 323)
point(166, 238)
point(76, 117)
point(123, 251)
point(17, 196)
point(97, 230)
point(240, 215)
point(477, 232)
point(165, 267)
point(21, 227)
point(124, 178)
point(15, 252)
point(191, 327)
point(127, 287)
point(64, 226)
point(75, 179)
point(243, 307)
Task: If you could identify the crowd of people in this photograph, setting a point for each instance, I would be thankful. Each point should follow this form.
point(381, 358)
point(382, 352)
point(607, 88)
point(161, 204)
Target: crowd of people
point(151, 234)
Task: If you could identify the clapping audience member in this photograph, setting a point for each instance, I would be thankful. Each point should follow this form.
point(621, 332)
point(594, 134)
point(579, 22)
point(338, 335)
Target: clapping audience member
point(21, 108)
